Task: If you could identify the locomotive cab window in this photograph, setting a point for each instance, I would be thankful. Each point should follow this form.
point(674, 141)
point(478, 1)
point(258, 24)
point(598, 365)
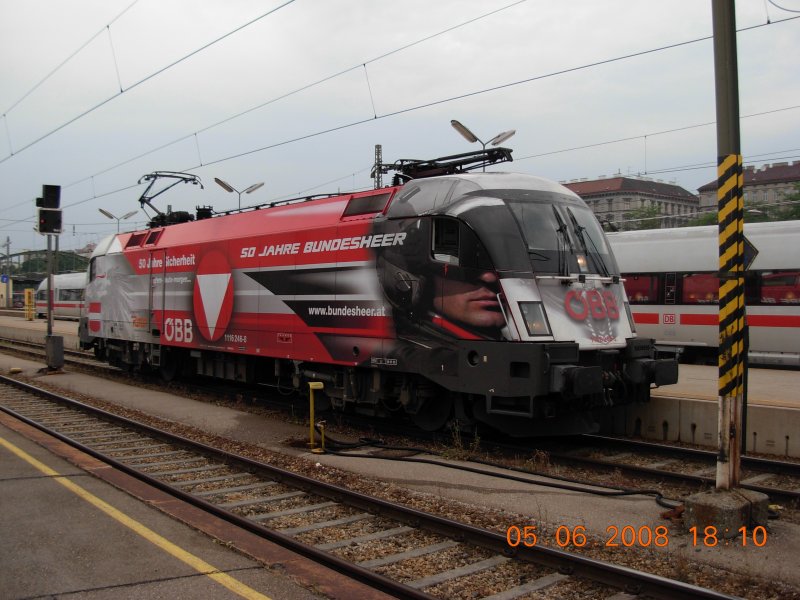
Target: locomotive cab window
point(445, 243)
point(454, 243)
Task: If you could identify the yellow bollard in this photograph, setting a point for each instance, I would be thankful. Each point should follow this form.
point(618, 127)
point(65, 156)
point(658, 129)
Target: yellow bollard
point(321, 449)
point(312, 385)
point(29, 304)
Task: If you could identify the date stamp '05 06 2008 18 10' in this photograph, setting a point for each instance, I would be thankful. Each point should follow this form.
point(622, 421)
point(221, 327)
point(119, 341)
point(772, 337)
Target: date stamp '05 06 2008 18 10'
point(629, 536)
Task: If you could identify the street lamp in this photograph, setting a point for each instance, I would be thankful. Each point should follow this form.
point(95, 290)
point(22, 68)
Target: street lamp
point(472, 138)
point(118, 219)
point(229, 188)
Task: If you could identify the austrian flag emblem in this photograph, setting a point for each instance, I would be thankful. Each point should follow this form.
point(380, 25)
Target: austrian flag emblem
point(213, 295)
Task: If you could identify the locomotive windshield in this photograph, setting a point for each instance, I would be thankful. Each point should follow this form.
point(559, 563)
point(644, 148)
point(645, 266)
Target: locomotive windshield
point(563, 239)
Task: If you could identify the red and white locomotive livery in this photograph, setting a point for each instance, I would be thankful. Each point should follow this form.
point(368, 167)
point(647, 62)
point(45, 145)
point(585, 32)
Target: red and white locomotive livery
point(486, 297)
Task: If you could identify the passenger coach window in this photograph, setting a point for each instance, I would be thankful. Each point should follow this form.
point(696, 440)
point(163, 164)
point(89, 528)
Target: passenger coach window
point(780, 287)
point(70, 295)
point(642, 289)
point(700, 288)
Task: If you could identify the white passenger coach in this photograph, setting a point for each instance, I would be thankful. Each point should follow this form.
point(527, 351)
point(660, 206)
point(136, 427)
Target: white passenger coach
point(673, 289)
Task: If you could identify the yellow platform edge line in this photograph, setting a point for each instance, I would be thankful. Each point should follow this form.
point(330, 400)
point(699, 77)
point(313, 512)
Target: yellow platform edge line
point(151, 536)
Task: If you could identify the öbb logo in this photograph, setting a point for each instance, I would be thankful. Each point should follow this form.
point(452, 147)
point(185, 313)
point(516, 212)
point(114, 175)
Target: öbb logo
point(581, 304)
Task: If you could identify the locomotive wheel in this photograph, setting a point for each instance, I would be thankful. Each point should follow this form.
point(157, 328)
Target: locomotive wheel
point(170, 365)
point(435, 413)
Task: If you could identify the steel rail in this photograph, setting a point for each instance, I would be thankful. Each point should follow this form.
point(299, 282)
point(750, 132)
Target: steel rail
point(625, 578)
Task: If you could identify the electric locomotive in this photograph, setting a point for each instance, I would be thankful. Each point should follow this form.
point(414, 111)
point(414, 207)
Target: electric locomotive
point(449, 296)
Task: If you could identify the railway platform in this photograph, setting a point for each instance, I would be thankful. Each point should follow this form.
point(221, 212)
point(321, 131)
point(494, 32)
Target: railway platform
point(68, 534)
point(687, 411)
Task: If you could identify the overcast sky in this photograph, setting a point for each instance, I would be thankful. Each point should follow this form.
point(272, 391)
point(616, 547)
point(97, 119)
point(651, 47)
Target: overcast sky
point(593, 88)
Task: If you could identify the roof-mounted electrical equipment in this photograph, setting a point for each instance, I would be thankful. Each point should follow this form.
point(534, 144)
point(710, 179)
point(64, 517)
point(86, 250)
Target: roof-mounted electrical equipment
point(407, 169)
point(168, 217)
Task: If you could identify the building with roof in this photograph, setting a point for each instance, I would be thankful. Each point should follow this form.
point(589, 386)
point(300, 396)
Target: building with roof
point(766, 185)
point(620, 200)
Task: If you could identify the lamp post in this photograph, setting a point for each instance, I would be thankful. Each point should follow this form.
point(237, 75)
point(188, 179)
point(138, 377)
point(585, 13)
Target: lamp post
point(472, 138)
point(229, 188)
point(118, 219)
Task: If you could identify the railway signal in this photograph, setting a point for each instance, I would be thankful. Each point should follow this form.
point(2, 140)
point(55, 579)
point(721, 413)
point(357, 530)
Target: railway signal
point(49, 220)
point(48, 215)
point(51, 197)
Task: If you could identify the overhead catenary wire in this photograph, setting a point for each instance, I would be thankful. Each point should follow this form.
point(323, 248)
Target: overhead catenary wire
point(776, 5)
point(375, 116)
point(414, 108)
point(106, 27)
point(143, 80)
point(303, 88)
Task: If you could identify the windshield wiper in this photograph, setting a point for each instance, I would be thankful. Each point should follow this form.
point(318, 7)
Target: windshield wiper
point(536, 255)
point(596, 257)
point(563, 244)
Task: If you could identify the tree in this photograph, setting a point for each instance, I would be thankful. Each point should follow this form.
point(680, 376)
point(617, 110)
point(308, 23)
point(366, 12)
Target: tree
point(707, 218)
point(760, 212)
point(647, 217)
point(789, 209)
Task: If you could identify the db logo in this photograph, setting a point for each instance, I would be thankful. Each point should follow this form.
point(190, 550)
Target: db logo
point(580, 304)
point(669, 319)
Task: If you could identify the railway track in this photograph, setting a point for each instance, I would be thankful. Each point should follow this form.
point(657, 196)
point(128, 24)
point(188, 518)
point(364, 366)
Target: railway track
point(37, 350)
point(685, 466)
point(779, 479)
point(405, 552)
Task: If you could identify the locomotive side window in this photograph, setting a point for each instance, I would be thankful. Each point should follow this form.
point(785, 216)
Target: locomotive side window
point(153, 236)
point(456, 244)
point(363, 205)
point(136, 239)
point(700, 288)
point(445, 243)
point(642, 289)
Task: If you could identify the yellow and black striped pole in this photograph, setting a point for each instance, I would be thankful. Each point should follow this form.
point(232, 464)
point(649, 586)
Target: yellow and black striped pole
point(731, 246)
point(731, 360)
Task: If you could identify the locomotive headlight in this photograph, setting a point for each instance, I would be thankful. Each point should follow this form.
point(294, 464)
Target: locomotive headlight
point(535, 318)
point(582, 263)
point(630, 317)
